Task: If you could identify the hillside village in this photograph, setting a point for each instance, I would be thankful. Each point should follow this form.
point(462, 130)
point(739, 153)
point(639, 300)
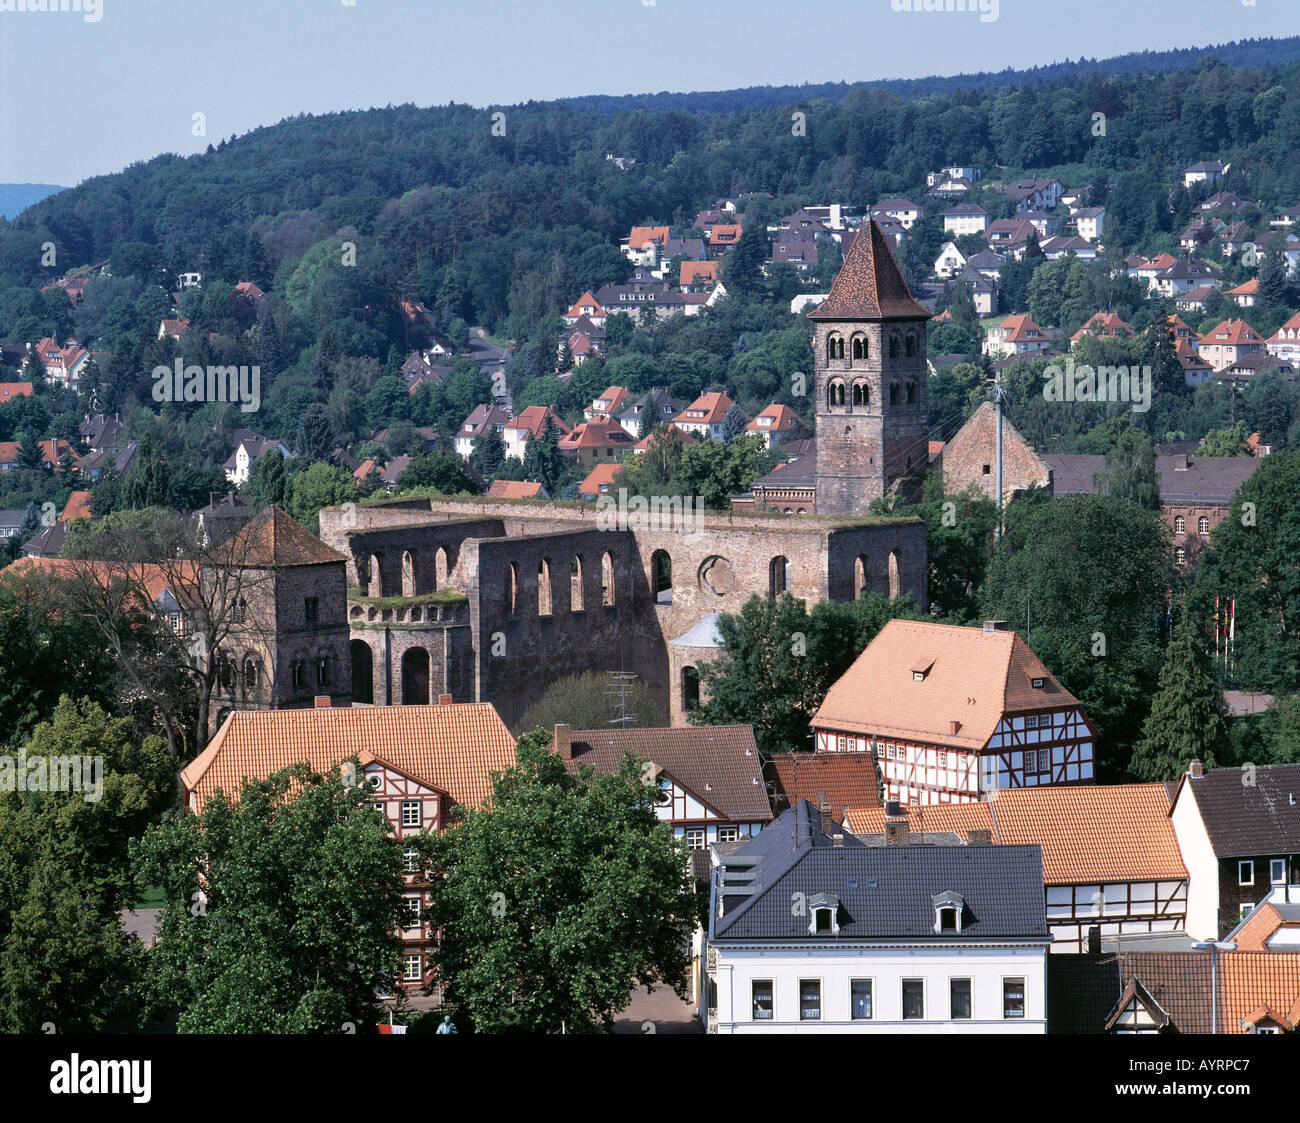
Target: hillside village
point(759, 545)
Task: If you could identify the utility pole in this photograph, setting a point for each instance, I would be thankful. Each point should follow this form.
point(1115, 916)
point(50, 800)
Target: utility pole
point(998, 395)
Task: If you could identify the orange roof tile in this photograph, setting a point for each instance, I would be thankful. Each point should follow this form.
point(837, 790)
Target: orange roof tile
point(1090, 833)
point(976, 677)
point(514, 489)
point(273, 538)
point(1230, 333)
point(14, 389)
point(77, 506)
point(708, 408)
point(642, 234)
point(533, 418)
point(601, 474)
point(783, 420)
point(1248, 980)
point(1247, 288)
point(453, 748)
point(869, 285)
point(693, 271)
point(593, 434)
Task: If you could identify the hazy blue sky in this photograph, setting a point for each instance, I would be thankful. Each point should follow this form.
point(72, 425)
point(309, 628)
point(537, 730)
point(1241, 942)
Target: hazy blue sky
point(80, 97)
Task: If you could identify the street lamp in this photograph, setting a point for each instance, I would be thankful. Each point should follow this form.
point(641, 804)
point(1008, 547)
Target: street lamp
point(1220, 945)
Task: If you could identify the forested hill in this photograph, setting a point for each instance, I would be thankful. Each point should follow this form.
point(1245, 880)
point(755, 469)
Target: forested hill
point(1246, 52)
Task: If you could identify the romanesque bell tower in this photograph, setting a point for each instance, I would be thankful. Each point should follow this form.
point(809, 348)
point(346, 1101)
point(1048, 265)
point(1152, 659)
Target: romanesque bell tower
point(870, 382)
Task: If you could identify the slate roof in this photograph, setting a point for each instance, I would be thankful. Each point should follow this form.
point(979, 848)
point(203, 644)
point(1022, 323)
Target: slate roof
point(1117, 832)
point(718, 764)
point(1244, 820)
point(869, 285)
point(845, 779)
point(453, 748)
point(884, 893)
point(1206, 479)
point(974, 677)
point(272, 539)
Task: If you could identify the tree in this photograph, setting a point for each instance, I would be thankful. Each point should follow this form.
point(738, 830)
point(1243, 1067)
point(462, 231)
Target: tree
point(315, 433)
point(559, 897)
point(1226, 442)
point(1188, 719)
point(777, 661)
point(64, 957)
point(1272, 280)
point(565, 362)
point(29, 452)
point(589, 701)
point(1280, 729)
point(1131, 470)
point(295, 929)
point(489, 452)
point(1096, 636)
point(321, 485)
point(542, 457)
point(733, 423)
point(268, 483)
point(439, 471)
point(742, 269)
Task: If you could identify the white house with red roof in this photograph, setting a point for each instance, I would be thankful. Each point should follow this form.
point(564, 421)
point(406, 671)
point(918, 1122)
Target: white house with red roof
point(1016, 335)
point(776, 423)
point(1245, 294)
point(1229, 341)
point(1104, 325)
point(904, 210)
point(596, 440)
point(643, 244)
point(586, 305)
point(530, 423)
point(1285, 342)
point(703, 417)
point(608, 405)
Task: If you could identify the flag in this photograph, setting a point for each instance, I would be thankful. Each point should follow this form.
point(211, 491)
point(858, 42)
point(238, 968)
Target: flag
point(391, 1028)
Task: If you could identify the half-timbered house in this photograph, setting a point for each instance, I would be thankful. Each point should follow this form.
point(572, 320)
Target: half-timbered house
point(710, 775)
point(952, 713)
point(1110, 857)
point(418, 762)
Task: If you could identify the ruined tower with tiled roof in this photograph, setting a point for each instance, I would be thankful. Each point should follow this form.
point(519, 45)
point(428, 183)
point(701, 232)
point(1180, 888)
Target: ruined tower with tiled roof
point(286, 643)
point(870, 381)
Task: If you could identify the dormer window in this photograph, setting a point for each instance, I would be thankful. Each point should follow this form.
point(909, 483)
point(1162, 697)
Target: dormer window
point(824, 911)
point(1036, 683)
point(949, 908)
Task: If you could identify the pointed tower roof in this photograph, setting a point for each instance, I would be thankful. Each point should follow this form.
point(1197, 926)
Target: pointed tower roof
point(274, 539)
point(869, 285)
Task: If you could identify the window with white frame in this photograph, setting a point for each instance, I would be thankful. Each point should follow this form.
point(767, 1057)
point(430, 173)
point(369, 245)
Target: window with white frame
point(1031, 721)
point(761, 1000)
point(860, 999)
point(889, 752)
point(913, 999)
point(1013, 998)
point(810, 1000)
point(1246, 873)
point(411, 813)
point(380, 808)
point(410, 859)
point(1277, 871)
point(412, 910)
point(728, 834)
point(412, 968)
point(695, 838)
point(959, 997)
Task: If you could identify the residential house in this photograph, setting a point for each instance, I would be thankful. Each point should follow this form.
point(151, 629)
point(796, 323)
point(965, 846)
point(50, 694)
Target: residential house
point(801, 226)
point(11, 522)
point(529, 424)
point(1228, 341)
point(1195, 300)
point(655, 407)
point(11, 390)
point(53, 453)
point(1183, 276)
point(951, 187)
point(119, 461)
point(419, 763)
point(722, 236)
point(1046, 224)
point(599, 480)
point(776, 423)
point(1285, 342)
point(1148, 269)
point(983, 289)
point(585, 339)
point(1245, 294)
point(711, 775)
point(704, 416)
point(1035, 194)
point(1201, 231)
point(906, 211)
point(1285, 218)
point(173, 328)
point(1223, 201)
point(1009, 233)
point(1110, 857)
point(588, 306)
point(517, 489)
point(802, 255)
point(1060, 245)
point(596, 440)
point(609, 404)
point(953, 171)
point(1104, 325)
point(951, 713)
point(950, 262)
point(885, 939)
point(643, 244)
point(254, 295)
point(1239, 831)
point(1016, 335)
point(987, 262)
point(481, 418)
point(1088, 222)
point(840, 781)
point(223, 517)
point(698, 276)
point(966, 218)
point(1234, 237)
point(1206, 171)
point(249, 448)
point(1273, 924)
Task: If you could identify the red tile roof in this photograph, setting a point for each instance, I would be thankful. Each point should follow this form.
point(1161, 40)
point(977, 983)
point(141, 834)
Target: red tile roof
point(515, 489)
point(599, 479)
point(642, 234)
point(708, 408)
point(846, 780)
point(595, 434)
point(869, 285)
point(975, 677)
point(14, 390)
point(783, 420)
point(533, 418)
point(77, 506)
point(272, 539)
point(453, 748)
point(1230, 333)
point(1089, 833)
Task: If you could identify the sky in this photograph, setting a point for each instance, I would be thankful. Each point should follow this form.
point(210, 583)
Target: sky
point(90, 91)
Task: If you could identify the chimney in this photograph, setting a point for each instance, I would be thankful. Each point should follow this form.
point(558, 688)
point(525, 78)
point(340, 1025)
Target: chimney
point(1180, 462)
point(564, 742)
point(837, 839)
point(953, 728)
point(1094, 939)
point(321, 702)
point(828, 820)
point(991, 626)
point(444, 699)
point(979, 837)
point(895, 824)
point(1196, 768)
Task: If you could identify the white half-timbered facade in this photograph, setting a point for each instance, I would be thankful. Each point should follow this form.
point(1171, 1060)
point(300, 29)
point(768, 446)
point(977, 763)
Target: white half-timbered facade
point(1116, 908)
point(952, 714)
point(695, 820)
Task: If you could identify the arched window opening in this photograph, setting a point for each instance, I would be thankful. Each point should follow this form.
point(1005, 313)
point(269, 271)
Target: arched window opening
point(893, 346)
point(1180, 524)
point(607, 579)
point(512, 588)
point(778, 577)
point(895, 581)
point(1203, 526)
point(575, 585)
point(690, 688)
point(544, 587)
point(440, 569)
point(911, 393)
point(911, 344)
point(376, 583)
point(661, 577)
point(893, 393)
point(363, 674)
point(408, 573)
point(415, 677)
point(861, 578)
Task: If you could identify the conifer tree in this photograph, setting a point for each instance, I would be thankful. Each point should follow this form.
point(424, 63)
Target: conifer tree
point(1188, 718)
